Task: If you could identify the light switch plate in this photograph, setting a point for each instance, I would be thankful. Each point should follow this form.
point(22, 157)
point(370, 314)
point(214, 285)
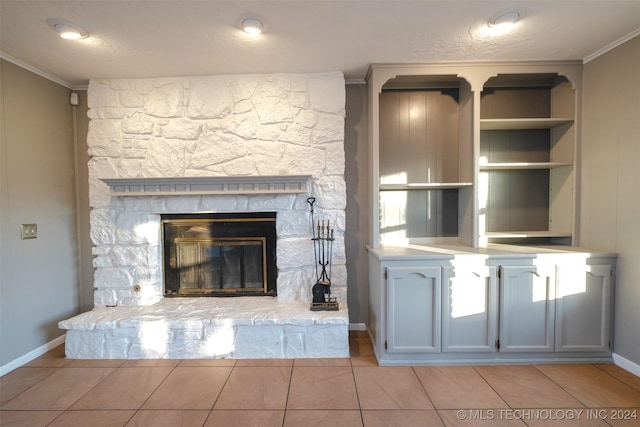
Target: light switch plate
point(28, 231)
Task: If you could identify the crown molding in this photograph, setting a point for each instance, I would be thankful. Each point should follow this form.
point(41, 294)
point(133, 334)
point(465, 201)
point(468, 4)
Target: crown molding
point(35, 70)
point(611, 46)
point(41, 73)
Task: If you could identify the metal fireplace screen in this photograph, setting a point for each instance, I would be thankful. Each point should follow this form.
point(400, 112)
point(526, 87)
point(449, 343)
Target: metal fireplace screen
point(219, 254)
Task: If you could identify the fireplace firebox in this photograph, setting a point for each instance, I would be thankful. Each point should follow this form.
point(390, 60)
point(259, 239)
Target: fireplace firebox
point(219, 254)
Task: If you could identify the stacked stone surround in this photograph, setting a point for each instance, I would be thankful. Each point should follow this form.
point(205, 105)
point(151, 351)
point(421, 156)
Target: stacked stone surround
point(240, 125)
point(213, 126)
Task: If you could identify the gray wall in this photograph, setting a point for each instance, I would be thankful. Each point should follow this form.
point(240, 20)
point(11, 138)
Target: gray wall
point(39, 277)
point(50, 278)
point(81, 121)
point(609, 179)
point(356, 177)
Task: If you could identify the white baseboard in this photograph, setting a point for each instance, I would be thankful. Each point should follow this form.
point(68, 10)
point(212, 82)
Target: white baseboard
point(22, 360)
point(357, 327)
point(626, 364)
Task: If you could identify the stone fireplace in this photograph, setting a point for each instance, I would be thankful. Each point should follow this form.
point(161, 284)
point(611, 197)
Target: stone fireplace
point(206, 146)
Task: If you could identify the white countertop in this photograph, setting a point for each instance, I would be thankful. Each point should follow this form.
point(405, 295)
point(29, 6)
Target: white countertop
point(450, 250)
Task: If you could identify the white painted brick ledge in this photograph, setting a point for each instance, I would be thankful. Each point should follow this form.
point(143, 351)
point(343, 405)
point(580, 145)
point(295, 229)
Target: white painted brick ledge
point(202, 328)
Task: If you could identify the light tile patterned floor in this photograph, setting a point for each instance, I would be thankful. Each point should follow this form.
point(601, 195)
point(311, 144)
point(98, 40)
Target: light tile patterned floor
point(54, 391)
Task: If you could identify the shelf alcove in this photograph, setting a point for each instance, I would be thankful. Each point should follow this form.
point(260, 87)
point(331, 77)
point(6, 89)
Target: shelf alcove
point(527, 141)
point(425, 170)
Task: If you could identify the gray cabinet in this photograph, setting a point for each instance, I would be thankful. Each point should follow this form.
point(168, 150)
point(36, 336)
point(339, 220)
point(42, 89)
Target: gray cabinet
point(564, 308)
point(469, 308)
point(445, 306)
point(583, 307)
point(527, 308)
point(414, 298)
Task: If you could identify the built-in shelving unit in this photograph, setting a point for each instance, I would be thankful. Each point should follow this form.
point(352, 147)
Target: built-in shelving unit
point(472, 206)
point(473, 153)
point(526, 159)
point(425, 172)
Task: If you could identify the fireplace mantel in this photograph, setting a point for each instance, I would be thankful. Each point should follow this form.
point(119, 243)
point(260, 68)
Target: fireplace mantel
point(181, 186)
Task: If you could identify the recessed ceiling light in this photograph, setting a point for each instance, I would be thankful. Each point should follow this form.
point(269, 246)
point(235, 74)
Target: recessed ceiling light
point(509, 17)
point(252, 26)
point(67, 30)
point(502, 22)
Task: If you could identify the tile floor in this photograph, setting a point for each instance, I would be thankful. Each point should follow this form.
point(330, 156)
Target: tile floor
point(54, 391)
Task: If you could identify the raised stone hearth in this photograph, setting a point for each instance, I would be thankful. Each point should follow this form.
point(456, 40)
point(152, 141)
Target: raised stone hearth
point(195, 328)
point(216, 144)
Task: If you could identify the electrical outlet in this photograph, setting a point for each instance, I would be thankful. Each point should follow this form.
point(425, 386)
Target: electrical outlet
point(28, 231)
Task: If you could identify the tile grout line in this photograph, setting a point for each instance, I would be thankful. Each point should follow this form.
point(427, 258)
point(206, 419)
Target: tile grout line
point(413, 369)
point(226, 381)
point(31, 386)
point(286, 402)
point(560, 385)
point(151, 394)
point(599, 366)
point(68, 408)
point(491, 387)
point(355, 386)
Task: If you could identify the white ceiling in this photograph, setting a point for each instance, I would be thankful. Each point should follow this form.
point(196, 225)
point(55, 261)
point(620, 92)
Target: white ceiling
point(130, 39)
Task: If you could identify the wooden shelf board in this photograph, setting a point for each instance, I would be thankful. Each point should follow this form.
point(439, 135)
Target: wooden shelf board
point(522, 124)
point(424, 186)
point(524, 234)
point(523, 165)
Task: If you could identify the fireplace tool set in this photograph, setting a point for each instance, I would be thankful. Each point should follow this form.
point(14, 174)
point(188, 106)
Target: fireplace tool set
point(323, 251)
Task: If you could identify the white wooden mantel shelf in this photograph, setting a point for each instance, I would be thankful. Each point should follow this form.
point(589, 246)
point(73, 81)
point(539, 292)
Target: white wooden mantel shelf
point(198, 185)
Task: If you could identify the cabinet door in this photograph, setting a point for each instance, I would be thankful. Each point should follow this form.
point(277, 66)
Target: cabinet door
point(527, 309)
point(470, 309)
point(583, 307)
point(413, 309)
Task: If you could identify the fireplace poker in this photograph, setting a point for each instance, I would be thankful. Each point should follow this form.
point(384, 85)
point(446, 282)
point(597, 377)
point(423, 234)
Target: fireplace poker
point(331, 254)
point(322, 237)
point(311, 201)
point(322, 263)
